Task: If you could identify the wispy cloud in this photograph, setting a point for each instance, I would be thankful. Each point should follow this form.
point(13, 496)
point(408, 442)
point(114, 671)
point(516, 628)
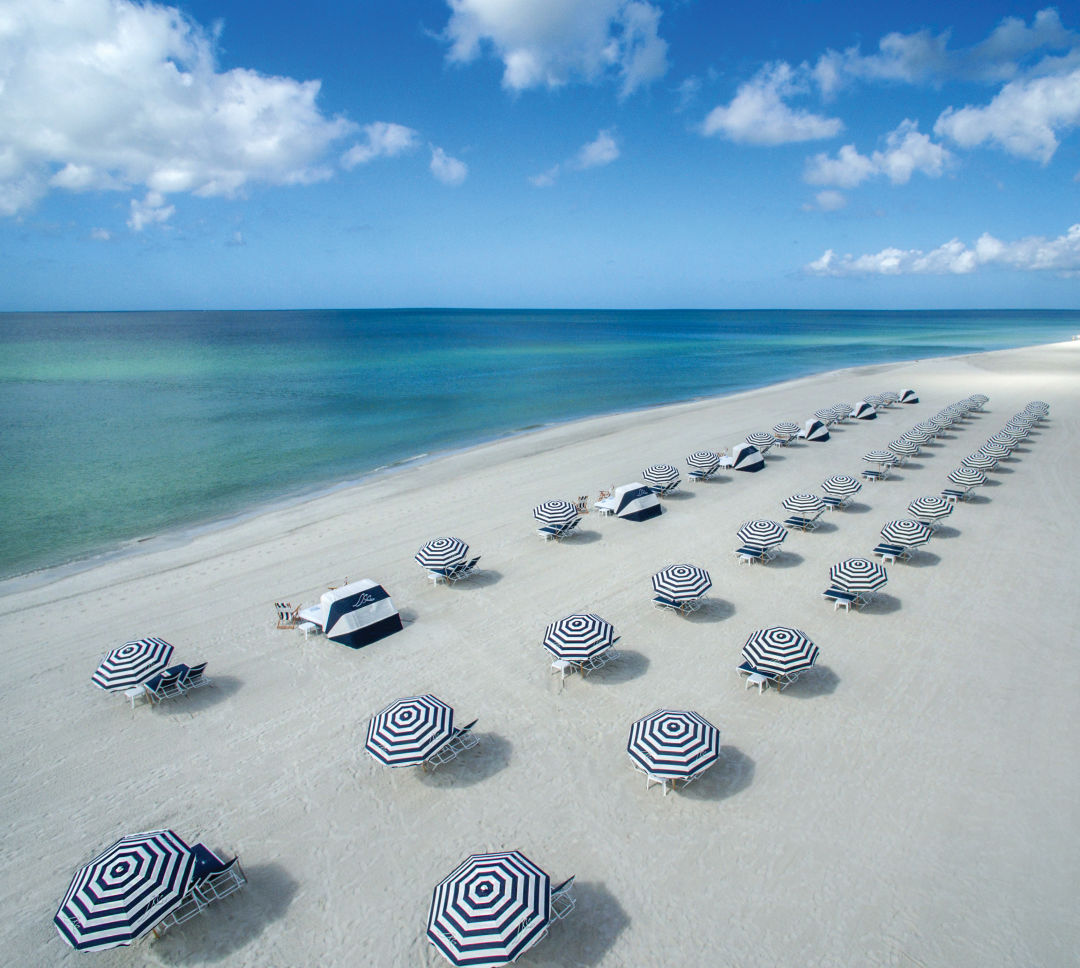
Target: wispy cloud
point(450, 171)
point(1032, 254)
point(382, 139)
point(151, 210)
point(602, 150)
point(549, 43)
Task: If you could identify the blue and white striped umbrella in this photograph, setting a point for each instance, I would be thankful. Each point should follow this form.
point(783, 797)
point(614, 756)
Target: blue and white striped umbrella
point(941, 420)
point(489, 909)
point(409, 730)
point(442, 553)
point(967, 477)
point(826, 415)
point(890, 397)
point(927, 427)
point(874, 399)
point(903, 448)
point(703, 460)
point(979, 460)
point(660, 475)
point(858, 575)
point(555, 512)
point(1024, 419)
point(1040, 407)
point(918, 436)
point(996, 450)
point(761, 533)
point(843, 409)
point(806, 505)
point(131, 664)
point(760, 440)
point(842, 484)
point(779, 650)
point(126, 891)
point(907, 532)
point(1004, 439)
point(1013, 433)
point(579, 637)
point(885, 457)
point(786, 430)
point(931, 507)
point(673, 744)
point(979, 399)
point(681, 583)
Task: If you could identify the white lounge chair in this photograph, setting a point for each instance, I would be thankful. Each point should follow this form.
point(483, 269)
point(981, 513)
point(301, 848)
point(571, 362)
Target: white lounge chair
point(215, 879)
point(462, 739)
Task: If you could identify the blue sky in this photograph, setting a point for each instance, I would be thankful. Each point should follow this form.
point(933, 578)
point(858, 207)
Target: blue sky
point(542, 153)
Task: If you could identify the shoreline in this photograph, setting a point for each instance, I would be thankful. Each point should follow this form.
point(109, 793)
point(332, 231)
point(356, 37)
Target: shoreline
point(184, 534)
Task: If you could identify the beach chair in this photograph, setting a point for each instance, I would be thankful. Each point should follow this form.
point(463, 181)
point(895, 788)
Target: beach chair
point(699, 475)
point(748, 554)
point(659, 601)
point(441, 574)
point(835, 503)
point(799, 523)
point(952, 494)
point(598, 661)
point(286, 615)
point(464, 570)
point(562, 899)
point(165, 685)
point(891, 552)
point(842, 599)
point(871, 475)
point(195, 678)
point(462, 739)
point(213, 880)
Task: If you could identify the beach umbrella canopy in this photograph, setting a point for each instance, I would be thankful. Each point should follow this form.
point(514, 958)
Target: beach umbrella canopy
point(806, 505)
point(858, 574)
point(760, 439)
point(995, 450)
point(673, 744)
point(578, 637)
point(1012, 433)
point(490, 909)
point(880, 457)
point(931, 506)
point(979, 460)
point(779, 650)
point(681, 583)
point(941, 420)
point(842, 484)
point(979, 398)
point(918, 436)
point(660, 475)
point(906, 532)
point(926, 427)
point(1004, 439)
point(786, 429)
point(827, 414)
point(761, 533)
point(125, 891)
point(890, 397)
point(874, 399)
point(841, 411)
point(132, 663)
point(908, 396)
point(1038, 407)
point(967, 477)
point(442, 553)
point(409, 730)
point(1024, 419)
point(904, 448)
point(555, 512)
point(704, 460)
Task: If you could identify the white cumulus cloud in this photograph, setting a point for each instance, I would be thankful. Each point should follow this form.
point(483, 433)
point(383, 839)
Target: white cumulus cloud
point(759, 112)
point(383, 139)
point(907, 150)
point(549, 43)
point(1032, 254)
point(1025, 118)
point(448, 170)
point(118, 95)
point(152, 210)
point(603, 150)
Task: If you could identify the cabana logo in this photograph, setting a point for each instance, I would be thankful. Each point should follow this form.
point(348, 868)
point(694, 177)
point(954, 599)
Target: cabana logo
point(363, 599)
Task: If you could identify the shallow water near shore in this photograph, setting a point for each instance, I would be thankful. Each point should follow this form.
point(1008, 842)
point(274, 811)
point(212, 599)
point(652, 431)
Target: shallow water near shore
point(120, 426)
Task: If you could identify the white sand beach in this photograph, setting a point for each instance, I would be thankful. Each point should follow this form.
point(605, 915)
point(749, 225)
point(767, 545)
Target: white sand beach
point(914, 802)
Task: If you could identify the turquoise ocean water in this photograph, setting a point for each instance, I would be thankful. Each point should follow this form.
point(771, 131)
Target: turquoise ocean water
point(117, 426)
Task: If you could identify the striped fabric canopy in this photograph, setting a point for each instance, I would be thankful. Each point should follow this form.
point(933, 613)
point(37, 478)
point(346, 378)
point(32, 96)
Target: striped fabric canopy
point(995, 450)
point(926, 427)
point(703, 460)
point(681, 583)
point(409, 730)
point(673, 744)
point(1039, 407)
point(761, 439)
point(555, 512)
point(761, 533)
point(132, 663)
point(442, 553)
point(890, 397)
point(904, 448)
point(931, 506)
point(967, 477)
point(880, 457)
point(842, 484)
point(578, 637)
point(906, 532)
point(941, 420)
point(490, 909)
point(827, 414)
point(1013, 433)
point(126, 891)
point(980, 460)
point(806, 505)
point(660, 475)
point(979, 399)
point(1004, 439)
point(858, 575)
point(1024, 419)
point(786, 429)
point(874, 399)
point(779, 650)
point(918, 436)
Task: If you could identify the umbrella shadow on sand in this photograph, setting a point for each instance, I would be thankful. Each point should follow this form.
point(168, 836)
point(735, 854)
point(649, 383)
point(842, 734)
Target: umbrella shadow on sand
point(629, 665)
point(732, 773)
point(586, 936)
point(228, 925)
point(491, 755)
point(222, 689)
point(712, 610)
point(883, 604)
point(819, 681)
